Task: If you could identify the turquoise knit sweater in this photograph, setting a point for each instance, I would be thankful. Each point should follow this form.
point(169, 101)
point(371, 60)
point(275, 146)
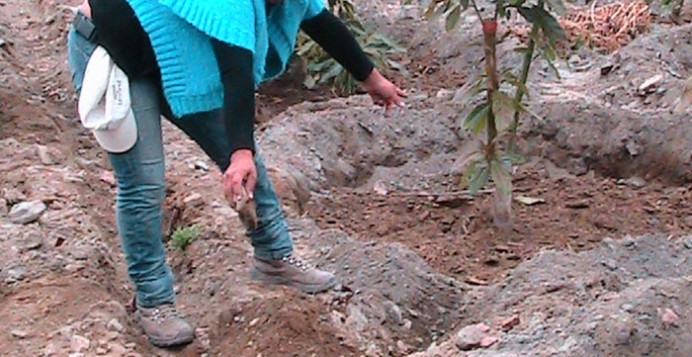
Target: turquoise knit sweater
point(180, 33)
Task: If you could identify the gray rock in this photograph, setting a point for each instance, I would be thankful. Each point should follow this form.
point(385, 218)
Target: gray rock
point(636, 182)
point(20, 334)
point(17, 273)
point(393, 313)
point(115, 325)
point(470, 337)
point(26, 212)
point(79, 343)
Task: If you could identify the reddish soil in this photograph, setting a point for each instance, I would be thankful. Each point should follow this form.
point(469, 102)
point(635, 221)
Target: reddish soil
point(456, 235)
point(283, 327)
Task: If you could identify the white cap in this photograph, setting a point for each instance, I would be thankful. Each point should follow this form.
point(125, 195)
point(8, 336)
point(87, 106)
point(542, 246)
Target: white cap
point(104, 104)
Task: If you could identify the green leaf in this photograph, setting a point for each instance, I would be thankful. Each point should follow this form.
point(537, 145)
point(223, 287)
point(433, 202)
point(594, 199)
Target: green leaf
point(501, 176)
point(476, 120)
point(470, 154)
point(521, 87)
point(548, 24)
point(501, 8)
point(521, 49)
point(478, 178)
point(550, 56)
point(470, 90)
point(333, 71)
point(453, 18)
point(309, 81)
point(431, 10)
point(504, 107)
point(513, 158)
point(464, 4)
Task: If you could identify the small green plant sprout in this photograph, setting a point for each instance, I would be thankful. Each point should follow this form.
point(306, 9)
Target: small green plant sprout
point(183, 237)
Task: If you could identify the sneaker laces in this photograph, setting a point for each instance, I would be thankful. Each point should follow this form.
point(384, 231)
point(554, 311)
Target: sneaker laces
point(165, 312)
point(296, 262)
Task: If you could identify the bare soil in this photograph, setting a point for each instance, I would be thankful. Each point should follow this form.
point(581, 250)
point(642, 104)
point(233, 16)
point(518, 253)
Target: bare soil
point(600, 267)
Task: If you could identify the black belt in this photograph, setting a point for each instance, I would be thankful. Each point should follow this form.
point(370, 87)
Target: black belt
point(85, 27)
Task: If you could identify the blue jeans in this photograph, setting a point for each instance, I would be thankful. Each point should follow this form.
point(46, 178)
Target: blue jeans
point(140, 176)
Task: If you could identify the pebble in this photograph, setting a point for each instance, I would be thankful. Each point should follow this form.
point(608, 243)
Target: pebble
point(117, 349)
point(193, 200)
point(19, 334)
point(130, 345)
point(114, 325)
point(26, 212)
point(17, 273)
point(33, 243)
point(201, 165)
point(44, 156)
point(688, 242)
point(393, 313)
point(3, 207)
point(79, 343)
point(470, 337)
point(50, 350)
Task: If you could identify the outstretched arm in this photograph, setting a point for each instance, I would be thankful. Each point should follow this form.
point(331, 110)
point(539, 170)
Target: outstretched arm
point(235, 66)
point(334, 37)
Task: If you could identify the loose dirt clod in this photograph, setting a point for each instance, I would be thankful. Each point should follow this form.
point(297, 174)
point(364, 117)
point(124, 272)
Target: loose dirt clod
point(377, 201)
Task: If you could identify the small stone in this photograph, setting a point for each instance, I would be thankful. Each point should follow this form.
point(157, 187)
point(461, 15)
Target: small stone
point(470, 337)
point(17, 273)
point(101, 351)
point(669, 317)
point(3, 207)
point(488, 341)
point(635, 181)
point(393, 313)
point(130, 345)
point(44, 156)
point(193, 200)
point(26, 212)
point(510, 323)
point(201, 165)
point(117, 349)
point(79, 343)
point(33, 243)
point(650, 84)
point(19, 334)
point(401, 346)
point(408, 324)
point(108, 177)
point(688, 241)
point(628, 307)
point(115, 325)
point(50, 350)
point(254, 321)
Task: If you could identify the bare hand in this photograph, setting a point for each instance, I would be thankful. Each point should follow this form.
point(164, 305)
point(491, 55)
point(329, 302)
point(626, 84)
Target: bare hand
point(384, 92)
point(240, 175)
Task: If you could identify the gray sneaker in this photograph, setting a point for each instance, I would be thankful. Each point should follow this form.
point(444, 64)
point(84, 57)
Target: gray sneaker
point(292, 272)
point(164, 326)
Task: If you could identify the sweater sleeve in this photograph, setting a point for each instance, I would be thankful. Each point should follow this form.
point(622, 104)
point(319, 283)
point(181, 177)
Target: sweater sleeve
point(235, 67)
point(334, 37)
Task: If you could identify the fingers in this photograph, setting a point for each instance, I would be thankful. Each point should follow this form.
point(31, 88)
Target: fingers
point(250, 182)
point(401, 93)
point(237, 186)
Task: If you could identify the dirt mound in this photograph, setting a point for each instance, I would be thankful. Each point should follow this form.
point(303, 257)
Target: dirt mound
point(375, 200)
point(626, 298)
